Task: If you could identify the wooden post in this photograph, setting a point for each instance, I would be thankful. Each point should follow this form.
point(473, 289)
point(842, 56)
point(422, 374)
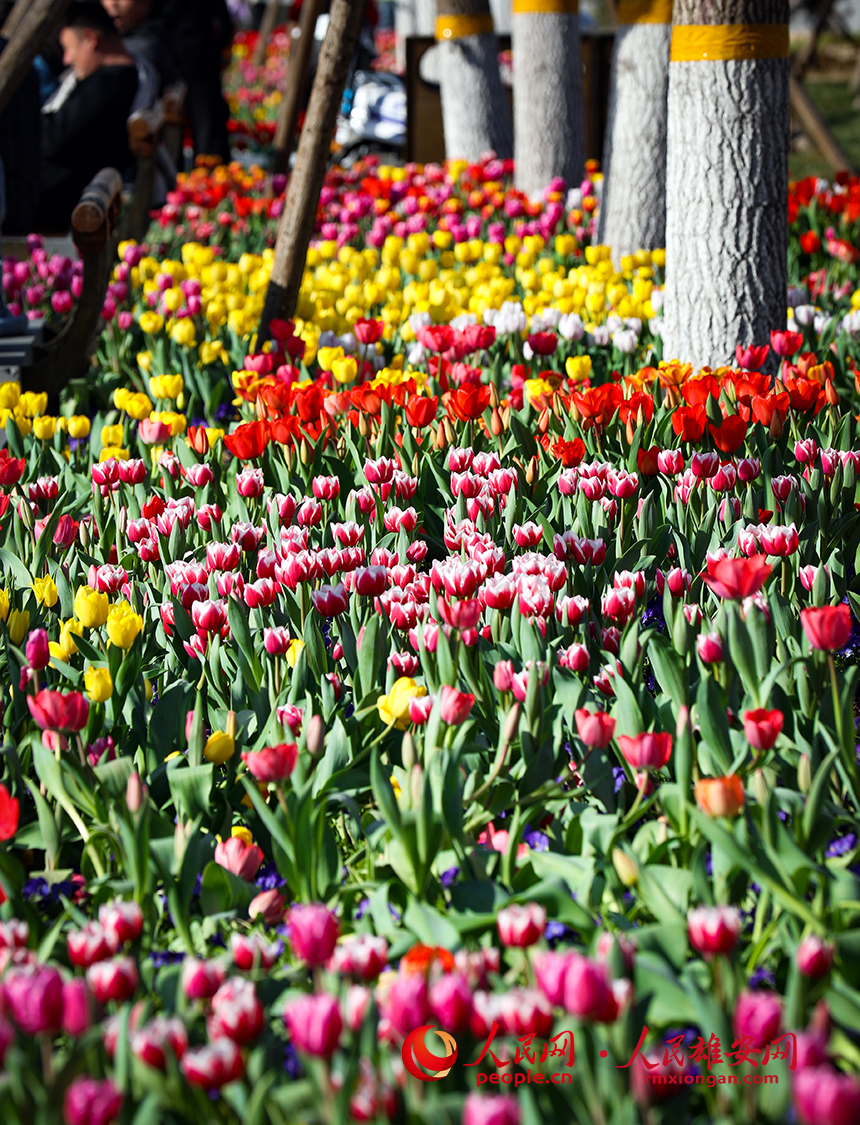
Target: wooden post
point(813, 123)
point(31, 28)
point(297, 79)
point(807, 52)
point(267, 26)
point(297, 222)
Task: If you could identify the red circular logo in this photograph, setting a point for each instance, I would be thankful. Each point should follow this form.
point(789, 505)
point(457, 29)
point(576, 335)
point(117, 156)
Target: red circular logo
point(415, 1053)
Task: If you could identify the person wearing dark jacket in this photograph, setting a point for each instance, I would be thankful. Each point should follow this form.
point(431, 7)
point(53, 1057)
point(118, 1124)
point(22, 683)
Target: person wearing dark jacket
point(199, 35)
point(20, 130)
point(84, 123)
point(141, 25)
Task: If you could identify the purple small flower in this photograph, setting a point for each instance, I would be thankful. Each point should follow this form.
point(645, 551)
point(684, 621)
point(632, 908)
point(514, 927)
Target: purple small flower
point(618, 776)
point(841, 845)
point(268, 878)
point(762, 978)
point(450, 876)
point(362, 909)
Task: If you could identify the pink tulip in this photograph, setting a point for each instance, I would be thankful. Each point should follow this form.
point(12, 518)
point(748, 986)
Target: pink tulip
point(34, 998)
point(407, 1004)
point(823, 1096)
point(90, 1102)
point(714, 929)
point(758, 1015)
point(500, 1109)
point(239, 858)
point(362, 955)
point(814, 956)
point(38, 655)
point(152, 432)
point(594, 728)
point(112, 980)
point(77, 1007)
point(268, 906)
point(648, 751)
point(214, 1065)
point(201, 979)
point(585, 987)
point(237, 1014)
point(451, 1002)
point(313, 932)
point(315, 1024)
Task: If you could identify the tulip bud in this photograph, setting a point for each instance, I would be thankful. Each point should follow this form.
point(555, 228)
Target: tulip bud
point(121, 522)
point(495, 423)
point(777, 425)
point(315, 736)
point(543, 421)
point(512, 725)
point(84, 535)
point(532, 471)
point(804, 773)
point(760, 787)
point(134, 793)
point(506, 417)
point(407, 751)
point(626, 867)
point(231, 726)
point(305, 452)
point(495, 401)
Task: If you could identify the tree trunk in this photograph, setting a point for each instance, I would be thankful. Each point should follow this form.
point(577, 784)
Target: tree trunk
point(548, 123)
point(411, 17)
point(267, 26)
point(31, 26)
point(297, 79)
point(297, 222)
point(633, 206)
point(475, 112)
point(727, 179)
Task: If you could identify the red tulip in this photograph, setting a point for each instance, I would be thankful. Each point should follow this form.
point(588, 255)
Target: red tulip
point(750, 357)
point(827, 627)
point(730, 436)
point(237, 1014)
point(11, 468)
point(648, 751)
point(737, 578)
point(313, 932)
point(420, 410)
point(468, 402)
point(368, 331)
point(714, 929)
point(115, 979)
point(786, 343)
point(521, 926)
point(273, 763)
point(762, 727)
point(10, 810)
point(59, 711)
point(201, 979)
point(455, 705)
point(214, 1065)
point(248, 440)
point(814, 957)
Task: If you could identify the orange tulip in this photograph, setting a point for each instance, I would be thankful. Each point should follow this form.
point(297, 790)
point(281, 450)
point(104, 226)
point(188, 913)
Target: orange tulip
point(720, 796)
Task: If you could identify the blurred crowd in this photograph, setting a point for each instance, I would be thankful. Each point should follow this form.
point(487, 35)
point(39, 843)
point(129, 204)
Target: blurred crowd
point(68, 118)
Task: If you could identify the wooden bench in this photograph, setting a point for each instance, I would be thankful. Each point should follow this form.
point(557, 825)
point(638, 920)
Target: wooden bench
point(65, 355)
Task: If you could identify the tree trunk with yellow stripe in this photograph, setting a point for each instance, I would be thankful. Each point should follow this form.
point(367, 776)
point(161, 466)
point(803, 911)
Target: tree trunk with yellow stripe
point(548, 123)
point(475, 111)
point(727, 177)
point(633, 207)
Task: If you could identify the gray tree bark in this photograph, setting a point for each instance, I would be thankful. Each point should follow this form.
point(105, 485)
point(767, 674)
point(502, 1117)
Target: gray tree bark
point(726, 193)
point(475, 113)
point(548, 123)
point(633, 206)
point(412, 17)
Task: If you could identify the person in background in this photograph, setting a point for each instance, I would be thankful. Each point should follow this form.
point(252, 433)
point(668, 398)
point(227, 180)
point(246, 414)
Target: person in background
point(20, 131)
point(141, 25)
point(200, 36)
point(84, 123)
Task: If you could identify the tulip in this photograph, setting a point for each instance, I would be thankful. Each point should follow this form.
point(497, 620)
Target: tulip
point(239, 857)
point(59, 711)
point(720, 796)
point(268, 906)
point(151, 1042)
point(814, 956)
point(98, 684)
point(313, 932)
point(112, 980)
point(276, 641)
point(273, 763)
point(91, 607)
point(407, 1004)
point(201, 979)
point(219, 747)
point(214, 1065)
point(14, 934)
point(34, 998)
point(252, 949)
point(122, 922)
point(18, 622)
point(362, 955)
point(823, 1096)
point(330, 601)
point(90, 1102)
point(594, 728)
point(88, 945)
point(37, 652)
point(710, 648)
point(521, 926)
point(585, 987)
point(451, 1002)
point(315, 1024)
point(737, 579)
point(714, 929)
point(237, 1014)
point(550, 972)
point(762, 727)
point(827, 627)
point(759, 1016)
point(648, 751)
point(455, 705)
point(500, 1109)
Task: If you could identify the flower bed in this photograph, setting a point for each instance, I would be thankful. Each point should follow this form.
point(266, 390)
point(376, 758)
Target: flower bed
point(486, 672)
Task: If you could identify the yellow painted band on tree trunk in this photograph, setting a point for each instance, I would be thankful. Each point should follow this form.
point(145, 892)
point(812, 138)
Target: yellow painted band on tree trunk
point(458, 27)
point(553, 7)
point(644, 11)
point(721, 42)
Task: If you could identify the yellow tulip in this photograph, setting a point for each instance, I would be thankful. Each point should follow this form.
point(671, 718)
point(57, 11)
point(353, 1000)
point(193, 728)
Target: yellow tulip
point(578, 367)
point(99, 684)
point(120, 397)
point(394, 707)
point(10, 395)
point(123, 625)
point(243, 833)
point(328, 356)
point(139, 406)
point(112, 435)
point(144, 360)
point(46, 591)
point(219, 748)
point(115, 453)
point(150, 323)
point(184, 333)
point(91, 607)
point(166, 386)
point(32, 404)
point(293, 652)
point(345, 370)
point(4, 604)
point(44, 427)
point(18, 624)
point(79, 426)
